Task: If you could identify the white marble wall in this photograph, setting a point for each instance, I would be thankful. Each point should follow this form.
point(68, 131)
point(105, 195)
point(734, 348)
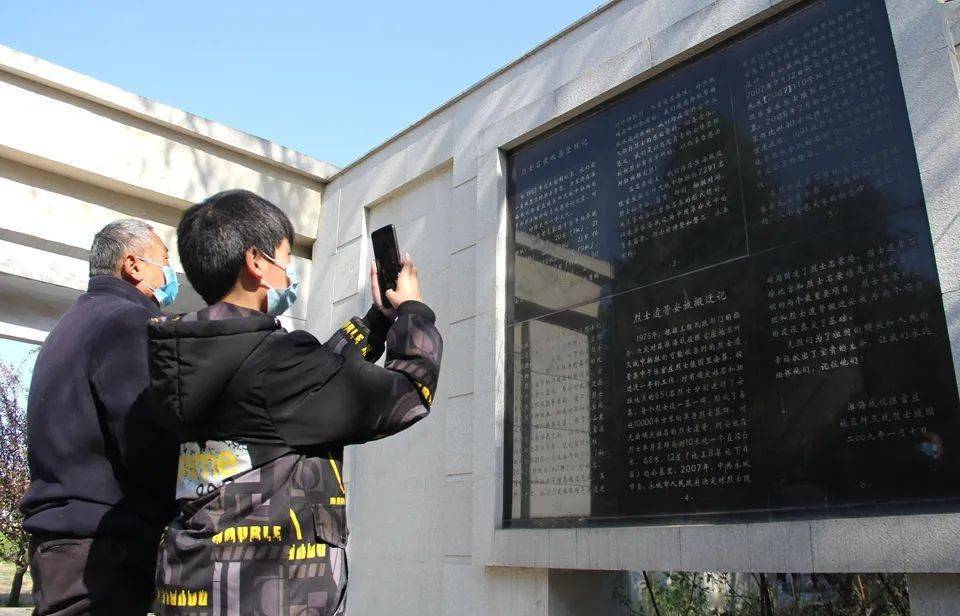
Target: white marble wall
point(443, 180)
point(934, 594)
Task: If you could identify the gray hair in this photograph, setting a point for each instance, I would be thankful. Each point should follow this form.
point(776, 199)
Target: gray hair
point(111, 242)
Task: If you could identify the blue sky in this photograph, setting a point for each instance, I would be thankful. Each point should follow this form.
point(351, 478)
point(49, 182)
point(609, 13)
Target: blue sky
point(19, 355)
point(329, 79)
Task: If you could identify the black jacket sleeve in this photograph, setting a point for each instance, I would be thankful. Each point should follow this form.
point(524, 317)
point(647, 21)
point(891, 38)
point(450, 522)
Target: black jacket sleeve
point(365, 336)
point(310, 404)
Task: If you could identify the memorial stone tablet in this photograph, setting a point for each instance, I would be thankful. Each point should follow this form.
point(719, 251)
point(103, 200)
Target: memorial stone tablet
point(724, 301)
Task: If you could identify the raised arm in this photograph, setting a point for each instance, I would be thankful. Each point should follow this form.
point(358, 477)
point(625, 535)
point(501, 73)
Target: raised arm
point(361, 401)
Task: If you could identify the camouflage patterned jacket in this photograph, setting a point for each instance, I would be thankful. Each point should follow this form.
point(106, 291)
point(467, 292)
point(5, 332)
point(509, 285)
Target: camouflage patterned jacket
point(263, 416)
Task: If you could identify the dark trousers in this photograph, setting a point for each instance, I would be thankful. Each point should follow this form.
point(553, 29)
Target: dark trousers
point(103, 575)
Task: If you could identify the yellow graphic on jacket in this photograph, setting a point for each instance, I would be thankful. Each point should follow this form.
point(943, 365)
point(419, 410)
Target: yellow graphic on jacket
point(182, 597)
point(336, 473)
point(304, 551)
point(307, 551)
point(203, 469)
point(354, 334)
point(296, 525)
point(248, 534)
point(425, 392)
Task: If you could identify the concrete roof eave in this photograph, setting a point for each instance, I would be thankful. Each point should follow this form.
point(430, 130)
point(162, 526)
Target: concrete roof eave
point(51, 75)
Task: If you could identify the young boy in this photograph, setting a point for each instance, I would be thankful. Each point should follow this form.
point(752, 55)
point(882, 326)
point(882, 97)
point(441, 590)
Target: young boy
point(263, 415)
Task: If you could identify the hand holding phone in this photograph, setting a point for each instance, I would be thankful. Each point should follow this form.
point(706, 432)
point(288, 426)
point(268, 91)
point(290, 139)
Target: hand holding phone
point(392, 280)
point(386, 254)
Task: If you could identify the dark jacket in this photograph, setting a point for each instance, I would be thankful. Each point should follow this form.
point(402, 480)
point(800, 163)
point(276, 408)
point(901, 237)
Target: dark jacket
point(263, 416)
point(99, 463)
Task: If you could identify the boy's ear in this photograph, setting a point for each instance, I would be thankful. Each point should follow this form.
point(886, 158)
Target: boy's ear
point(254, 264)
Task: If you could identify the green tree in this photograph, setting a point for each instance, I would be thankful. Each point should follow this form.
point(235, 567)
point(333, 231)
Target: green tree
point(764, 594)
point(14, 474)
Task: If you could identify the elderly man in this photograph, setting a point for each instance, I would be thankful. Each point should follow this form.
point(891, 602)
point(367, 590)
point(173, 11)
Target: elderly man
point(102, 471)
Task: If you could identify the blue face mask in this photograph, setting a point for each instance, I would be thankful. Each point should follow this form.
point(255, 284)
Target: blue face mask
point(280, 300)
point(166, 293)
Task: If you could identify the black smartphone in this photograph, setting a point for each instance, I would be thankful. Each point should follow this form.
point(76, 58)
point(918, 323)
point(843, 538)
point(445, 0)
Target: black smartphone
point(386, 253)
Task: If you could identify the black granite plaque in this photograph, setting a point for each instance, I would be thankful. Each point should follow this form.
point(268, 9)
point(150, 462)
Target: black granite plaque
point(724, 301)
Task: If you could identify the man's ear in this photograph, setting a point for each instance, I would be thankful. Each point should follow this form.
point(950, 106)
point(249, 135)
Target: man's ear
point(131, 269)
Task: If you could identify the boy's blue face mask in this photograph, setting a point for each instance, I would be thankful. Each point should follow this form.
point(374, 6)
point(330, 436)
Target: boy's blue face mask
point(280, 300)
point(167, 292)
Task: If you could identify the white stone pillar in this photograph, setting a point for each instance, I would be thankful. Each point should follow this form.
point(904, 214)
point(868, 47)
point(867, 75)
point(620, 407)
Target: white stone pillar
point(586, 592)
point(934, 594)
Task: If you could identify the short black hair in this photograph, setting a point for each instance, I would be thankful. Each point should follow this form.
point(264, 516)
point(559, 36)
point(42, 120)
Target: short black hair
point(213, 237)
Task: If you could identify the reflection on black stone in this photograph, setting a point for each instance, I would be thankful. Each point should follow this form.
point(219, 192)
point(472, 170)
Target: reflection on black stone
point(677, 194)
point(724, 299)
point(559, 387)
